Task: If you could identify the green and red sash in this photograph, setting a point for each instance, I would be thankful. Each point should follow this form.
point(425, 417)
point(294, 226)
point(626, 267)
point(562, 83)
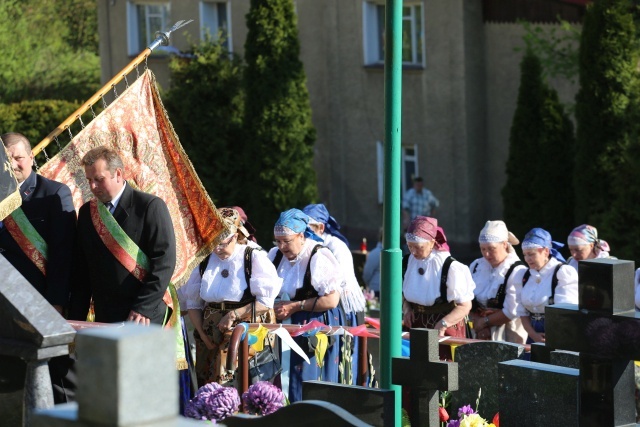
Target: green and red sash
point(121, 246)
point(137, 263)
point(28, 238)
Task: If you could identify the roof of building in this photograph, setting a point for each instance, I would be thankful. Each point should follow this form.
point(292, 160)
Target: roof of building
point(539, 11)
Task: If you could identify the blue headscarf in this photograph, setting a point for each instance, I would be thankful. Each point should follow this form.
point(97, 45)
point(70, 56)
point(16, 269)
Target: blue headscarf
point(539, 237)
point(298, 222)
point(320, 213)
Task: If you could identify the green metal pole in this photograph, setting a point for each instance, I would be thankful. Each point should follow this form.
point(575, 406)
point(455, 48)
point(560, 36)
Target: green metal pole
point(391, 257)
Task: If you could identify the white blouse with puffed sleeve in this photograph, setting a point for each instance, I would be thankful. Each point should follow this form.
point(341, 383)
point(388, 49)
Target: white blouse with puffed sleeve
point(533, 296)
point(424, 288)
point(352, 296)
point(214, 287)
point(489, 279)
point(326, 273)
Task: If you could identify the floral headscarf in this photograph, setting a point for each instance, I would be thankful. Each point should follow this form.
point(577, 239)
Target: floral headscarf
point(585, 235)
point(233, 224)
point(245, 221)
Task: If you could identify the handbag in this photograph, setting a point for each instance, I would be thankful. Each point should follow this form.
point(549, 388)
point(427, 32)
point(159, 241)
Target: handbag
point(265, 365)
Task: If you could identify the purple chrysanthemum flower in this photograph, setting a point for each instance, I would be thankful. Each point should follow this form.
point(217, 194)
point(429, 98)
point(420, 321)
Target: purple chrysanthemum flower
point(222, 403)
point(453, 423)
point(213, 402)
point(465, 410)
point(263, 398)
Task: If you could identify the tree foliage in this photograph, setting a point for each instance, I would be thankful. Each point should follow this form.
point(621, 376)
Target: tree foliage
point(35, 119)
point(604, 106)
point(556, 46)
point(538, 191)
point(279, 134)
point(44, 55)
point(621, 223)
point(519, 195)
point(205, 104)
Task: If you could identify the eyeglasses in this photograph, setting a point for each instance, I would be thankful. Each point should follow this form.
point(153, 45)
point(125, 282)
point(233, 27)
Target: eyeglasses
point(280, 243)
point(224, 244)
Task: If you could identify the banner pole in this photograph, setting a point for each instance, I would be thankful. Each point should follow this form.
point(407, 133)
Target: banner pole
point(162, 38)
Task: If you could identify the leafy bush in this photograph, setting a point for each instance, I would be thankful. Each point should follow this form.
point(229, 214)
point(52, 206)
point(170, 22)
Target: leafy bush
point(38, 60)
point(36, 119)
point(205, 104)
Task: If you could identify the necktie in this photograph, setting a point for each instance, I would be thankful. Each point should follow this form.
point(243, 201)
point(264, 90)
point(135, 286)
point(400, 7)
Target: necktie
point(109, 206)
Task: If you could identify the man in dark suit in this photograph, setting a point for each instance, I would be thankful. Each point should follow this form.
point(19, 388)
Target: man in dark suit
point(48, 208)
point(120, 222)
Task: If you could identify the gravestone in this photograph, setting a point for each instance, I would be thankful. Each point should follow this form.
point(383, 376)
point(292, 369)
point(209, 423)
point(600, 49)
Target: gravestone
point(568, 359)
point(605, 330)
point(126, 377)
point(374, 406)
point(310, 413)
point(478, 368)
point(31, 332)
point(536, 394)
point(541, 353)
point(426, 375)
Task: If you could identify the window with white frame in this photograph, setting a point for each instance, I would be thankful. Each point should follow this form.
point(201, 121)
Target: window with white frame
point(409, 167)
point(412, 33)
point(144, 19)
point(215, 21)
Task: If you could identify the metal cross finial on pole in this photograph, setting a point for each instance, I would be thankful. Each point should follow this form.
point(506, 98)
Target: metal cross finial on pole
point(162, 39)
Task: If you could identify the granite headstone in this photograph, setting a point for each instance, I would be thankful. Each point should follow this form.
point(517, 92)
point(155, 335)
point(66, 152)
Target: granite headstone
point(31, 332)
point(374, 406)
point(568, 359)
point(537, 394)
point(126, 377)
point(478, 369)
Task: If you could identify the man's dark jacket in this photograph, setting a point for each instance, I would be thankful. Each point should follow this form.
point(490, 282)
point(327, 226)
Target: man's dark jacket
point(146, 220)
point(49, 207)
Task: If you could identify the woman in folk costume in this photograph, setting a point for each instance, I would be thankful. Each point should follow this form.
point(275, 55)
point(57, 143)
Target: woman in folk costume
point(494, 308)
point(312, 281)
point(547, 281)
point(326, 227)
point(584, 244)
point(351, 297)
point(251, 238)
point(437, 290)
point(237, 283)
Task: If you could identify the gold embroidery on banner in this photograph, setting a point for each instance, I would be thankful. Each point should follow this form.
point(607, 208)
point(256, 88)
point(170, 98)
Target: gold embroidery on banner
point(137, 126)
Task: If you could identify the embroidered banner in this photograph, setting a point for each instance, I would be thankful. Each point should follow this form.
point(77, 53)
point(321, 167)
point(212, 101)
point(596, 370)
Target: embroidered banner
point(137, 126)
point(9, 192)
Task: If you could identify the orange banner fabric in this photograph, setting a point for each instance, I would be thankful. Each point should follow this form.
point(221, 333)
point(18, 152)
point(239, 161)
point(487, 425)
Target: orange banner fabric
point(137, 126)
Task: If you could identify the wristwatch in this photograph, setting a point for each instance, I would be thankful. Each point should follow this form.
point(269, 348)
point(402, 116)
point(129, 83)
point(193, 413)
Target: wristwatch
point(443, 324)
